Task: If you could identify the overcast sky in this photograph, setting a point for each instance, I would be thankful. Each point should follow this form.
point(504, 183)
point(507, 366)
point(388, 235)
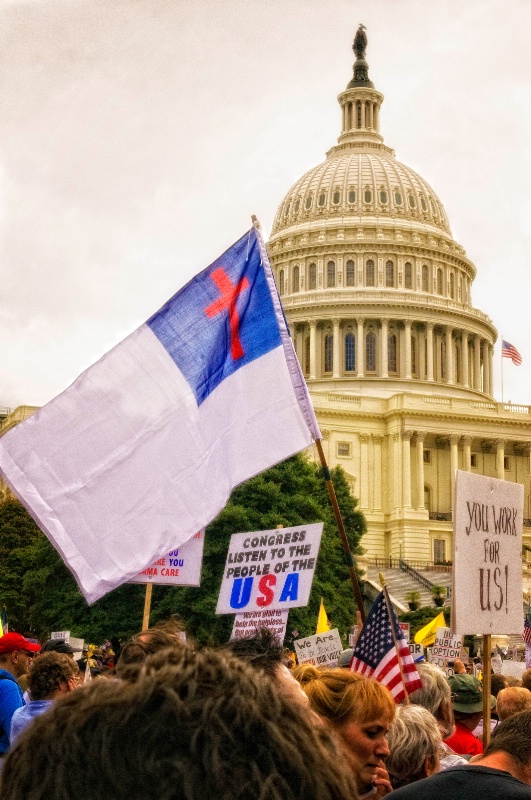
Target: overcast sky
point(137, 137)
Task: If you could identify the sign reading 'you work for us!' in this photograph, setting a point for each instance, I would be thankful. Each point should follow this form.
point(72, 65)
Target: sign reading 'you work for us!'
point(269, 569)
point(487, 579)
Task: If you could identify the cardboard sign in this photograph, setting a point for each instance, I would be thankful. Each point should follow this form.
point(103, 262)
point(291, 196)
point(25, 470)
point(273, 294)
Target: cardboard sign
point(269, 569)
point(487, 575)
point(404, 626)
point(416, 650)
point(514, 668)
point(247, 623)
point(322, 649)
point(60, 635)
point(447, 646)
point(181, 567)
point(77, 645)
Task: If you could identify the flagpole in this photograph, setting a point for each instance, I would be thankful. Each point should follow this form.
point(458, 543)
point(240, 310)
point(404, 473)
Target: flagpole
point(501, 358)
point(388, 606)
point(147, 606)
point(347, 552)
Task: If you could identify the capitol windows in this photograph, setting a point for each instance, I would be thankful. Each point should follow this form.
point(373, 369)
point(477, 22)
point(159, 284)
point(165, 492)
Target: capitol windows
point(308, 203)
point(425, 278)
point(383, 197)
point(412, 203)
point(392, 360)
point(297, 204)
point(307, 355)
point(432, 204)
point(286, 210)
point(459, 287)
point(352, 196)
point(452, 285)
point(350, 273)
point(312, 276)
point(296, 278)
point(440, 289)
point(322, 200)
point(443, 359)
point(414, 370)
point(370, 352)
point(350, 352)
point(369, 273)
point(398, 198)
point(408, 275)
point(328, 352)
point(389, 274)
point(281, 282)
point(331, 275)
point(336, 197)
point(367, 196)
point(343, 450)
point(473, 460)
point(423, 203)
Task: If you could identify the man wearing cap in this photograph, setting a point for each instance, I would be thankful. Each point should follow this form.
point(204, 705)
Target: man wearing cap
point(16, 653)
point(467, 702)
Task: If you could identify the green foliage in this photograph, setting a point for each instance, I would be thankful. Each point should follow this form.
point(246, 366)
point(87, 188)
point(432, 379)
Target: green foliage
point(41, 595)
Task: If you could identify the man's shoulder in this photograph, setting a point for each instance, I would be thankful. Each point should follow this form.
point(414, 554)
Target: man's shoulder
point(479, 782)
point(8, 684)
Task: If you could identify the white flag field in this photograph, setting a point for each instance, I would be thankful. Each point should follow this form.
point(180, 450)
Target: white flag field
point(145, 447)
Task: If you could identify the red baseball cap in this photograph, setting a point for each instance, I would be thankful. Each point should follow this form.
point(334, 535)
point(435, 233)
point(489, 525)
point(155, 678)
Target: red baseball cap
point(14, 641)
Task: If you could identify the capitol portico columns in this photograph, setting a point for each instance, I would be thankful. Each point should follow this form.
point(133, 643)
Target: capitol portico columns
point(406, 468)
point(359, 349)
point(429, 347)
point(449, 356)
point(313, 351)
point(407, 327)
point(467, 441)
point(464, 357)
point(477, 363)
point(384, 350)
point(454, 463)
point(364, 474)
point(419, 439)
point(377, 492)
point(500, 459)
point(336, 353)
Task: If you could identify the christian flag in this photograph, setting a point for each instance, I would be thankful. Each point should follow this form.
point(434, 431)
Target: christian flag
point(510, 351)
point(146, 446)
point(375, 654)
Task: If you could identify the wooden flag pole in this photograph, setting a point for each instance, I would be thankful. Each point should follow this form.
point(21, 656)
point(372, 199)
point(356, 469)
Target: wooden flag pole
point(342, 533)
point(389, 614)
point(147, 606)
point(486, 689)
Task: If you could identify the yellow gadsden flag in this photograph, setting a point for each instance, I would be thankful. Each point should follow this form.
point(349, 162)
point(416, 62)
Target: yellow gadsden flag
point(426, 635)
point(323, 624)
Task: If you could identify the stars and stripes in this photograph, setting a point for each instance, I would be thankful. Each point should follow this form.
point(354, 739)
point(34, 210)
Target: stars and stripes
point(510, 351)
point(526, 633)
point(376, 657)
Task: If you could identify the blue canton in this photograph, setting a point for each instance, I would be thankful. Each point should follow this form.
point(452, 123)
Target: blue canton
point(376, 638)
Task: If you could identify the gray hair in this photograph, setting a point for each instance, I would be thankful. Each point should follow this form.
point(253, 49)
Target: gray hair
point(414, 736)
point(512, 700)
point(436, 696)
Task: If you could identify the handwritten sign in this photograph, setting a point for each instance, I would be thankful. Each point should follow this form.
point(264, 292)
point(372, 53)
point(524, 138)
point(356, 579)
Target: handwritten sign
point(274, 620)
point(322, 649)
point(269, 569)
point(487, 577)
point(60, 635)
point(180, 567)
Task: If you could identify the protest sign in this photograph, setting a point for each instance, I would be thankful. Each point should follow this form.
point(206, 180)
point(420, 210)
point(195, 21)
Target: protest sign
point(76, 645)
point(404, 627)
point(269, 569)
point(447, 645)
point(487, 575)
point(416, 650)
point(60, 635)
point(275, 620)
point(514, 668)
point(180, 567)
point(321, 649)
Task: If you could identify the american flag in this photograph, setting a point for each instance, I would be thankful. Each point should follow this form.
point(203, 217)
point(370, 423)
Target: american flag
point(375, 654)
point(510, 351)
point(526, 634)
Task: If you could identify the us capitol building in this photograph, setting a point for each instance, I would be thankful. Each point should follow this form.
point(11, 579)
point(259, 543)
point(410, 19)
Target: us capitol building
point(377, 295)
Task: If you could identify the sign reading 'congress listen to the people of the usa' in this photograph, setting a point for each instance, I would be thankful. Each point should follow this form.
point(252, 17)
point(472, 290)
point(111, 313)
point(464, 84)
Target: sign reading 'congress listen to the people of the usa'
point(487, 577)
point(269, 569)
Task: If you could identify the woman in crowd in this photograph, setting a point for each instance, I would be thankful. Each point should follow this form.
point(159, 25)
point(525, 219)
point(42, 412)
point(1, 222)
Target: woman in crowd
point(360, 711)
point(51, 676)
point(414, 741)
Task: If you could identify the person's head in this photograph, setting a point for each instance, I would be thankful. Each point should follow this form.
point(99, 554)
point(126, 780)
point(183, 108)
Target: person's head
point(513, 737)
point(512, 700)
point(414, 741)
point(196, 725)
point(52, 674)
point(526, 679)
point(497, 683)
point(58, 646)
point(137, 649)
point(360, 710)
point(436, 696)
point(467, 699)
point(16, 654)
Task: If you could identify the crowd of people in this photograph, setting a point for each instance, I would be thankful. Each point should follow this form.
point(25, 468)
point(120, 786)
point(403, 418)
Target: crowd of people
point(234, 722)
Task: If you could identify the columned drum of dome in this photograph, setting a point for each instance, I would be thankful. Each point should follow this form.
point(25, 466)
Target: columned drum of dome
point(377, 294)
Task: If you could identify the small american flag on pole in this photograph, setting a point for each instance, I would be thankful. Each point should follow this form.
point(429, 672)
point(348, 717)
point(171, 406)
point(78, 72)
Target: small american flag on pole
point(526, 634)
point(510, 351)
point(375, 655)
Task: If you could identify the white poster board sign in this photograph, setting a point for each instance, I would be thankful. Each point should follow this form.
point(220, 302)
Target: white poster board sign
point(60, 635)
point(487, 575)
point(514, 668)
point(322, 649)
point(447, 645)
point(416, 650)
point(269, 569)
point(180, 567)
point(404, 627)
point(247, 623)
point(77, 645)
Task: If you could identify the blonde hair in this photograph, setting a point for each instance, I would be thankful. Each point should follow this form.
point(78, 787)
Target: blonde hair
point(341, 696)
point(512, 700)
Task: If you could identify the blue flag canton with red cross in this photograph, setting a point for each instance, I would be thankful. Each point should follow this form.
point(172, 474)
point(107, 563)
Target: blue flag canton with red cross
point(376, 637)
point(221, 320)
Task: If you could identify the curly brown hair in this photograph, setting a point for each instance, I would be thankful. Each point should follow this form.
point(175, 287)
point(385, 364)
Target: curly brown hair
point(47, 673)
